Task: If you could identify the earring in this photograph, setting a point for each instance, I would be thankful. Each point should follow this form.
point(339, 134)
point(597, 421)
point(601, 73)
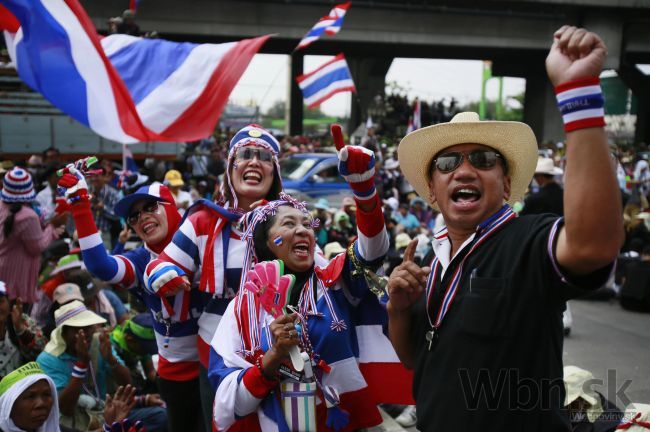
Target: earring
point(277, 240)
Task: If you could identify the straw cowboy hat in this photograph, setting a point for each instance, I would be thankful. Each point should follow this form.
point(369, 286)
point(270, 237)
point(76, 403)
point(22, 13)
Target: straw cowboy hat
point(547, 166)
point(514, 140)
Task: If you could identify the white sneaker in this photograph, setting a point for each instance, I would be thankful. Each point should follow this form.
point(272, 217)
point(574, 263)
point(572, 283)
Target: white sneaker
point(408, 417)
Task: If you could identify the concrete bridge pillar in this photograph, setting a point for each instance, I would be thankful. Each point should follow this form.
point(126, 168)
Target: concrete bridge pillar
point(640, 85)
point(540, 108)
point(295, 95)
point(369, 75)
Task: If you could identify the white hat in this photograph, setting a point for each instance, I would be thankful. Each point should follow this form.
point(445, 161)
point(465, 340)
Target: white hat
point(67, 292)
point(402, 240)
point(332, 249)
point(635, 416)
point(574, 380)
point(514, 140)
point(73, 314)
point(392, 202)
point(547, 166)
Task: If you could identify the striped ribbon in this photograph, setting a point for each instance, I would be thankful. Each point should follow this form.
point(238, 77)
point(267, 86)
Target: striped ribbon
point(483, 231)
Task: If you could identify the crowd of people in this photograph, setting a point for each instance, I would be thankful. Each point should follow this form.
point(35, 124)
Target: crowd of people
point(196, 295)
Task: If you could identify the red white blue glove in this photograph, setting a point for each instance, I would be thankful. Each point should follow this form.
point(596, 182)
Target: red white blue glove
point(356, 166)
point(163, 278)
point(73, 185)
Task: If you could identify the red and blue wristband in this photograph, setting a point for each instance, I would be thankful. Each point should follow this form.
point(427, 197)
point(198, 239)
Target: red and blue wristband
point(581, 104)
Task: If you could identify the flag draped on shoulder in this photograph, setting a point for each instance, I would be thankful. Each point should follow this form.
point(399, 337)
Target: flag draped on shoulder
point(124, 88)
point(329, 24)
point(321, 84)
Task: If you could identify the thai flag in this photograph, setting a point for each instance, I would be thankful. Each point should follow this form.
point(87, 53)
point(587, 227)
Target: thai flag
point(124, 88)
point(321, 84)
point(133, 5)
point(415, 121)
point(129, 177)
point(329, 24)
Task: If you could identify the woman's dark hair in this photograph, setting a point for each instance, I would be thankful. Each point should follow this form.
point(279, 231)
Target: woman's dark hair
point(9, 222)
point(260, 240)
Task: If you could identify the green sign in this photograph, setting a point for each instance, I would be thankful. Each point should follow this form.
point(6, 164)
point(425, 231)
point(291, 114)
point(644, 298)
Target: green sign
point(617, 97)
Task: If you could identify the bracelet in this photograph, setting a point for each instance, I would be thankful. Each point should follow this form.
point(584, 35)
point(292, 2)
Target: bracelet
point(581, 104)
point(79, 370)
point(260, 365)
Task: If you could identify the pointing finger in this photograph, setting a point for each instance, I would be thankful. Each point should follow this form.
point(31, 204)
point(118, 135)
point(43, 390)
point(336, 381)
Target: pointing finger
point(409, 253)
point(337, 134)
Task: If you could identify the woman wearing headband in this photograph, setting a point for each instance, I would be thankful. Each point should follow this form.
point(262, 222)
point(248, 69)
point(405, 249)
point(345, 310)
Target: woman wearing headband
point(332, 316)
point(208, 241)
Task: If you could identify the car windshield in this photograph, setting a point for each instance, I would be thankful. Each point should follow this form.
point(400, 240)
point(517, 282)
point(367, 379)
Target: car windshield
point(294, 168)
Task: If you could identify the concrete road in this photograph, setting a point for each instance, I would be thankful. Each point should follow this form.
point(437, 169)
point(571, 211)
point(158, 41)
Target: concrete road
point(612, 343)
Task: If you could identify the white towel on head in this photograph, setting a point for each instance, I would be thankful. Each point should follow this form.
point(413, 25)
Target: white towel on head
point(8, 399)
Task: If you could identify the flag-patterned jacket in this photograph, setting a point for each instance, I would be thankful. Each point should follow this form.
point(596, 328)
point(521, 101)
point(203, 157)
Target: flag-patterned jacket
point(178, 360)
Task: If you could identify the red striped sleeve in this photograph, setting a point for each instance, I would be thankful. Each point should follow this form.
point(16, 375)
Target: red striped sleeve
point(256, 383)
point(372, 223)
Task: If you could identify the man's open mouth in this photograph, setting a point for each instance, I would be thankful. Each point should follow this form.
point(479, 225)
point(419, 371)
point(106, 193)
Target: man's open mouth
point(466, 194)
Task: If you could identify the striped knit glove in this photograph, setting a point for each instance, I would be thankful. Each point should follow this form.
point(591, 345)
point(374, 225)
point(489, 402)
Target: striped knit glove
point(73, 185)
point(356, 166)
point(164, 279)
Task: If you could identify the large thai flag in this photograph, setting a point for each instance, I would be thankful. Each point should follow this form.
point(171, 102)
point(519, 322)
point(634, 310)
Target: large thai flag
point(329, 24)
point(321, 84)
point(124, 88)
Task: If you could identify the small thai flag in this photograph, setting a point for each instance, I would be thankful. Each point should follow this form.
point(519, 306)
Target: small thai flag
point(277, 241)
point(329, 24)
point(321, 84)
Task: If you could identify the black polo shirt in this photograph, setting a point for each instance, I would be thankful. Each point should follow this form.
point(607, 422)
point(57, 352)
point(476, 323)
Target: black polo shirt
point(497, 362)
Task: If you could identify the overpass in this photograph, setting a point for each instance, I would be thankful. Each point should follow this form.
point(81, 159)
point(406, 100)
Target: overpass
point(514, 34)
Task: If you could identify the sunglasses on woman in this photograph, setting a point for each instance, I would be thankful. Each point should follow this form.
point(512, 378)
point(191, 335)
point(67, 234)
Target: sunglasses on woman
point(150, 207)
point(481, 159)
point(248, 153)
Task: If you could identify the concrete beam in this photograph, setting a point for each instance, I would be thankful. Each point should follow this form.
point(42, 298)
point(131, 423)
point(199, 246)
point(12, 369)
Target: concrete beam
point(540, 109)
point(610, 29)
point(296, 104)
point(369, 75)
point(640, 86)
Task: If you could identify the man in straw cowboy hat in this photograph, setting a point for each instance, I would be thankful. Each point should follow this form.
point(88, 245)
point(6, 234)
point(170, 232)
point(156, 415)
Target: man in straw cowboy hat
point(482, 326)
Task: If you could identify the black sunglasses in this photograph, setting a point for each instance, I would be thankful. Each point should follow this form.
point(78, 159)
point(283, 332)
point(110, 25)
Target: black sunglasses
point(481, 159)
point(248, 153)
point(150, 207)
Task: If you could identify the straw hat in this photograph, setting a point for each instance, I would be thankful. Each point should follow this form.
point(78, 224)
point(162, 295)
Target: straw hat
point(514, 140)
point(547, 166)
point(402, 240)
point(73, 314)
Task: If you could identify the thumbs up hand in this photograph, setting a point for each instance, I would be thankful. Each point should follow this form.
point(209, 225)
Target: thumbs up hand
point(407, 282)
point(356, 166)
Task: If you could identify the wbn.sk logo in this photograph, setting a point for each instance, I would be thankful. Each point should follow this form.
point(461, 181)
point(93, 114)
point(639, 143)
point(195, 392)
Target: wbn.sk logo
point(484, 390)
